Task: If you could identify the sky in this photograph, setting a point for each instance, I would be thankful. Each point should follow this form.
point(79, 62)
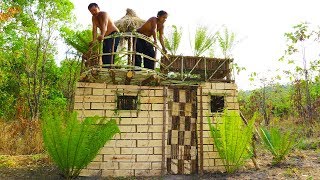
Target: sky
point(259, 25)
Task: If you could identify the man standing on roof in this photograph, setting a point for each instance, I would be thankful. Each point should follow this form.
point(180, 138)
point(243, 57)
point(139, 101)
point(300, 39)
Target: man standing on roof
point(102, 20)
point(150, 28)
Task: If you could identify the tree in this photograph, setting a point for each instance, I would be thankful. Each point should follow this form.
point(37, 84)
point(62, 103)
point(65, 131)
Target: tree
point(27, 43)
point(77, 39)
point(69, 75)
point(298, 41)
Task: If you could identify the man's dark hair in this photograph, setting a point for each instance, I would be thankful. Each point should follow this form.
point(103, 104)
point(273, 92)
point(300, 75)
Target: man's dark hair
point(93, 5)
point(161, 13)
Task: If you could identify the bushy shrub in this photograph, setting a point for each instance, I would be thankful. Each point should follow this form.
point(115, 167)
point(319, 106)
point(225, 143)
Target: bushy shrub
point(232, 138)
point(71, 143)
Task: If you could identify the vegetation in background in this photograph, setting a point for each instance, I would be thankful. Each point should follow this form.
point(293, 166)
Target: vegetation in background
point(303, 72)
point(79, 40)
point(279, 143)
point(68, 77)
point(20, 137)
point(72, 144)
point(27, 62)
point(173, 39)
point(232, 138)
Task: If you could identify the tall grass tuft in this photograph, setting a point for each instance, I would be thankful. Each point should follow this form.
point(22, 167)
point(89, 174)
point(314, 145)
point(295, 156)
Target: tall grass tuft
point(72, 144)
point(278, 143)
point(232, 138)
point(20, 137)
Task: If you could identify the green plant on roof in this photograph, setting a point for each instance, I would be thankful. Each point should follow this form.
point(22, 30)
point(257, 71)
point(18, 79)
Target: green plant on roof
point(226, 41)
point(203, 40)
point(173, 40)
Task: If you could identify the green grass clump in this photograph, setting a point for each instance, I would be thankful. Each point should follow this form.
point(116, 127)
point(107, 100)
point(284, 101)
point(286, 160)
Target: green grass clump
point(71, 143)
point(278, 143)
point(232, 138)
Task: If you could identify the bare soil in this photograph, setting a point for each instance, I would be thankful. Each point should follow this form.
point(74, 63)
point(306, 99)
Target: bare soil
point(301, 164)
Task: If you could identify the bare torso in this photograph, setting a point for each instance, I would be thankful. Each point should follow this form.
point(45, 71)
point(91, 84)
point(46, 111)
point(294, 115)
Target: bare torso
point(100, 21)
point(150, 26)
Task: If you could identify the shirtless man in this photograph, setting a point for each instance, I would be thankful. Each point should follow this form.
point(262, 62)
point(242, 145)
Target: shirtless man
point(102, 20)
point(150, 28)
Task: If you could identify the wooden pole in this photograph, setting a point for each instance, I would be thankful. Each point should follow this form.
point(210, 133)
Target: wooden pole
point(112, 52)
point(134, 50)
point(256, 165)
point(164, 123)
point(201, 133)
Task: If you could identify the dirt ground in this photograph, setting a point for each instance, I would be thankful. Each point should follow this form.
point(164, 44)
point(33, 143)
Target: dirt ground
point(301, 164)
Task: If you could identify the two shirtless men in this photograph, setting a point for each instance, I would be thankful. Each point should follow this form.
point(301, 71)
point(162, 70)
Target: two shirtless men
point(102, 20)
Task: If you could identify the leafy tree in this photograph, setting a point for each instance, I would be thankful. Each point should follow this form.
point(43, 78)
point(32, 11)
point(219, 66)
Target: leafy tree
point(79, 40)
point(298, 41)
point(69, 76)
point(27, 45)
point(173, 41)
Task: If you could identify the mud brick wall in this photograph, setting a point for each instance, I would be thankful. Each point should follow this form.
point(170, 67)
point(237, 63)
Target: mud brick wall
point(211, 161)
point(137, 151)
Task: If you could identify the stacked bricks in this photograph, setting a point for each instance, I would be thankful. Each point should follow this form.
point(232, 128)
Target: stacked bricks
point(137, 151)
point(211, 161)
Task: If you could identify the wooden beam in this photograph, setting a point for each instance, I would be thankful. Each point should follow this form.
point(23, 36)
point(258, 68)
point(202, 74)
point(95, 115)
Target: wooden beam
point(148, 80)
point(164, 123)
point(201, 133)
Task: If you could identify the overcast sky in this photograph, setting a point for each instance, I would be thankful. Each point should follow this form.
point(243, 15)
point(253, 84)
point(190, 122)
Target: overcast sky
point(259, 24)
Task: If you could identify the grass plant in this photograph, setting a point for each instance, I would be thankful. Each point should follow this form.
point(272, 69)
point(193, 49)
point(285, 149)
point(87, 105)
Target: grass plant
point(232, 138)
point(20, 137)
point(278, 142)
point(71, 143)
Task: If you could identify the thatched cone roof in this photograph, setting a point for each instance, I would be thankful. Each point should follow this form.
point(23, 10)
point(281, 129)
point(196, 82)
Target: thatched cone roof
point(129, 22)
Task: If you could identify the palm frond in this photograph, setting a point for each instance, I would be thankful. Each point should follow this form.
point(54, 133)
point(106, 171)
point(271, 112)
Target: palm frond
point(278, 143)
point(232, 139)
point(203, 40)
point(173, 41)
point(72, 143)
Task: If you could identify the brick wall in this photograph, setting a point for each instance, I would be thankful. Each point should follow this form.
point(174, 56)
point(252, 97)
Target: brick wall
point(211, 160)
point(138, 150)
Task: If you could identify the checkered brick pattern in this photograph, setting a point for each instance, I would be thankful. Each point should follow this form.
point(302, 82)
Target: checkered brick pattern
point(182, 140)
